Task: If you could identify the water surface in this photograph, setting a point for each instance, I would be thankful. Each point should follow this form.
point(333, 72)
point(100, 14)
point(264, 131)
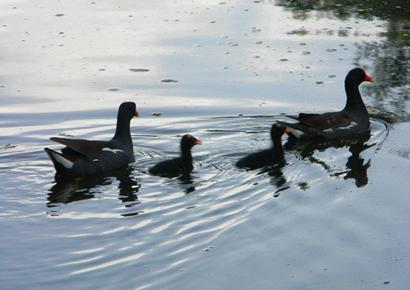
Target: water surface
point(223, 71)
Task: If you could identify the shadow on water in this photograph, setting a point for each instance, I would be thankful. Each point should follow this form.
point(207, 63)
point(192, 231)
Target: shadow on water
point(67, 190)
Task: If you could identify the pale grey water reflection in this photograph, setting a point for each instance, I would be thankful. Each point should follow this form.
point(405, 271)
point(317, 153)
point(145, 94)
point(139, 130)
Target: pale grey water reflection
point(332, 216)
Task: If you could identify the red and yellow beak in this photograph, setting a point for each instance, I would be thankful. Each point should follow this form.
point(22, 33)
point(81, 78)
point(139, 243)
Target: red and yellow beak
point(197, 142)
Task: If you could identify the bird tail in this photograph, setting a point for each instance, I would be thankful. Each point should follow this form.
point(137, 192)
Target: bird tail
point(60, 162)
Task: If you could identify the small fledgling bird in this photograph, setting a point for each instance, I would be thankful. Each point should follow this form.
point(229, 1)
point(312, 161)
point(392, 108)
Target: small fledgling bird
point(179, 165)
point(266, 157)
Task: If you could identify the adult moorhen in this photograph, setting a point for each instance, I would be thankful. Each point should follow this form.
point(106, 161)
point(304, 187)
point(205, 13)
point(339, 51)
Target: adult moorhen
point(352, 120)
point(89, 157)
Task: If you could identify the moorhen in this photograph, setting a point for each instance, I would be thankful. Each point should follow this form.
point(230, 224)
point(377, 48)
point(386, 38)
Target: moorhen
point(179, 165)
point(266, 157)
point(352, 120)
point(89, 157)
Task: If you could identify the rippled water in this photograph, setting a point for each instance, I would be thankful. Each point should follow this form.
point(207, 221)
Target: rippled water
point(334, 217)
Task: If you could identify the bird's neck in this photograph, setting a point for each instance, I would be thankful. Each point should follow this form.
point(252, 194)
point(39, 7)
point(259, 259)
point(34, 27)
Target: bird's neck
point(186, 155)
point(122, 132)
point(354, 100)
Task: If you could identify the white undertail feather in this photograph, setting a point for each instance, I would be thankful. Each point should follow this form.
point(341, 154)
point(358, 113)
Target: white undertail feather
point(62, 160)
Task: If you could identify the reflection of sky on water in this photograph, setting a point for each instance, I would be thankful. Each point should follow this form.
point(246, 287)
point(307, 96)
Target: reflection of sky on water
point(247, 55)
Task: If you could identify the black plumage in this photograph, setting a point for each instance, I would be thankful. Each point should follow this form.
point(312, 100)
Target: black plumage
point(266, 157)
point(352, 120)
point(83, 157)
point(180, 165)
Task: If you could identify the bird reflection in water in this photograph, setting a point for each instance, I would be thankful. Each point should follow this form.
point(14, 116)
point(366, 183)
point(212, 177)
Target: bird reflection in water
point(277, 178)
point(67, 190)
point(185, 180)
point(356, 167)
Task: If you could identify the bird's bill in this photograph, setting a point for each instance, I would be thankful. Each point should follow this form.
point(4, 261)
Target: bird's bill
point(136, 114)
point(368, 78)
point(198, 142)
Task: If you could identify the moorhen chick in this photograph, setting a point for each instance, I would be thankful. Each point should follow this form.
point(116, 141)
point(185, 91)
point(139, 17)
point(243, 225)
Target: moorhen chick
point(266, 157)
point(179, 165)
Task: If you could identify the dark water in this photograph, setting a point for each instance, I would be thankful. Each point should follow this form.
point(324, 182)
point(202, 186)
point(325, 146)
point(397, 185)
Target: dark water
point(223, 71)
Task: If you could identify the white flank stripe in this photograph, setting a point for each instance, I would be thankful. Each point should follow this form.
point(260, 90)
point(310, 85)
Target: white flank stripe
point(115, 151)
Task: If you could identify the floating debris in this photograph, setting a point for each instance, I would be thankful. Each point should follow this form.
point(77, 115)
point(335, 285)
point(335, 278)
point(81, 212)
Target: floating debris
point(283, 59)
point(300, 32)
point(306, 52)
point(208, 248)
point(114, 89)
point(303, 185)
point(59, 15)
point(331, 76)
point(319, 82)
point(156, 114)
point(169, 81)
point(7, 146)
point(254, 29)
point(138, 69)
point(331, 49)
